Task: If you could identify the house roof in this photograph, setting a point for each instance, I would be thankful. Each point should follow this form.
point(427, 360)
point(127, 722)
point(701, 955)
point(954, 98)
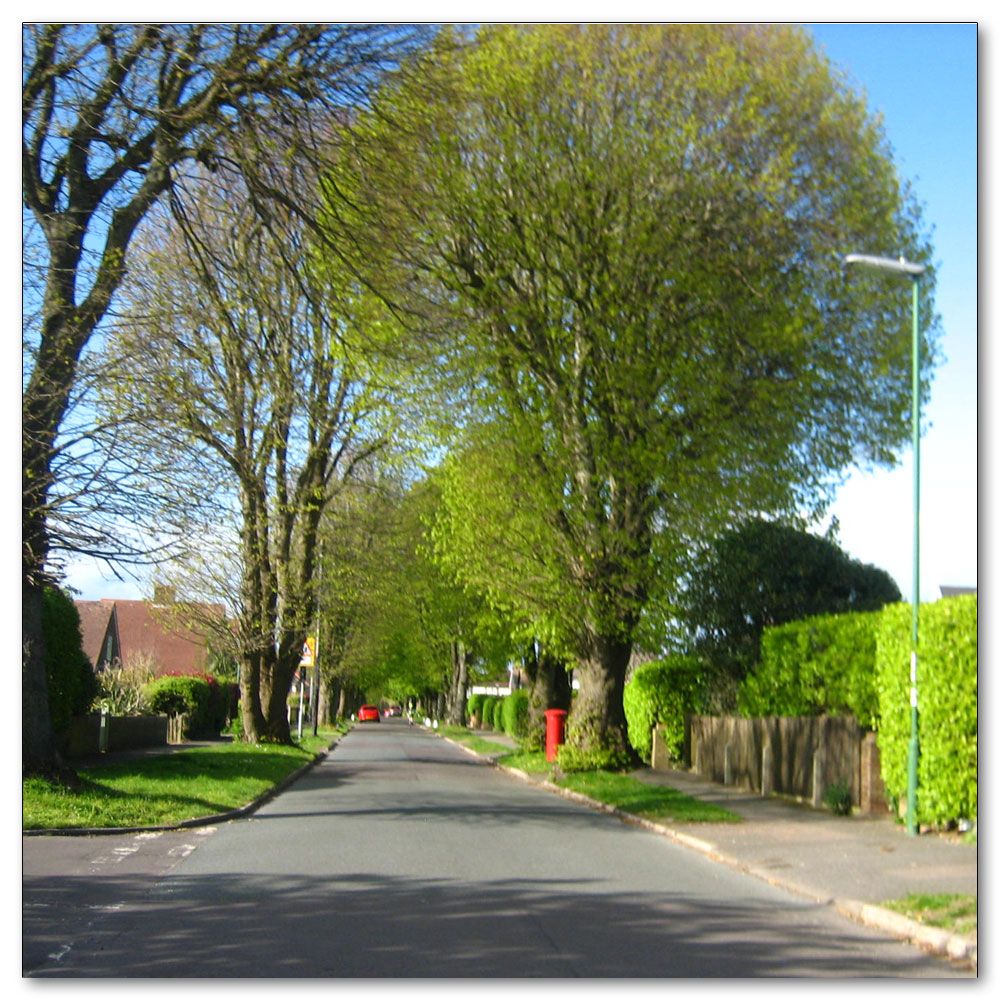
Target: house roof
point(94, 618)
point(150, 631)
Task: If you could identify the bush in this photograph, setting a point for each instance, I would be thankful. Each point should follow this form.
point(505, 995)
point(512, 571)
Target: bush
point(948, 688)
point(475, 707)
point(571, 759)
point(497, 719)
point(488, 702)
point(823, 665)
point(661, 693)
point(69, 677)
point(122, 690)
point(200, 698)
point(515, 714)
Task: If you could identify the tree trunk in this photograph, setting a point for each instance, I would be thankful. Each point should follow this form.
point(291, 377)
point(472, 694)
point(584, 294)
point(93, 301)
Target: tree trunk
point(549, 687)
point(254, 723)
point(596, 724)
point(459, 682)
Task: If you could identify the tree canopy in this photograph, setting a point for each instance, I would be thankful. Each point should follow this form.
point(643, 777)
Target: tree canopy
point(764, 573)
point(637, 233)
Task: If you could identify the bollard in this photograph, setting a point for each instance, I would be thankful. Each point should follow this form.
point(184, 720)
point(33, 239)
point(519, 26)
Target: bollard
point(766, 779)
point(555, 730)
point(817, 788)
point(102, 736)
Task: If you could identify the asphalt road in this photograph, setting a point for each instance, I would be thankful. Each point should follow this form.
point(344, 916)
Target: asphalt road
point(402, 856)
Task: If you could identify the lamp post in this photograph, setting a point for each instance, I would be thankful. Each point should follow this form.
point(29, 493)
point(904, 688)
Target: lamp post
point(902, 266)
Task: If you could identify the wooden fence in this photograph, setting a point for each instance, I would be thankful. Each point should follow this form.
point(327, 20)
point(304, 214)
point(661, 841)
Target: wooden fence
point(799, 757)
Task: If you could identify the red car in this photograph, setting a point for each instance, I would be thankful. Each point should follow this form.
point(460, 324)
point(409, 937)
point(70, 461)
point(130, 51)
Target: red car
point(368, 713)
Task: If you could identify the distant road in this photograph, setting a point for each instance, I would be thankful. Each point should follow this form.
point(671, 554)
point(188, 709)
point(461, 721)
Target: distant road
point(401, 855)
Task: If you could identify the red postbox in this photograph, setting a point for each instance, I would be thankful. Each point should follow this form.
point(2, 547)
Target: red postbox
point(555, 730)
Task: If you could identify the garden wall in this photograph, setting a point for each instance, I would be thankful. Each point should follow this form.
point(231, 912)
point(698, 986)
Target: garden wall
point(125, 732)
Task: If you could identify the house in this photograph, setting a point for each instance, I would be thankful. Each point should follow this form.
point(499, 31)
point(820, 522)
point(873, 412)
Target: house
point(161, 634)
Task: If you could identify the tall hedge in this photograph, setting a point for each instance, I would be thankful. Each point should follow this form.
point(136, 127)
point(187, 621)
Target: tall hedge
point(488, 702)
point(515, 714)
point(69, 676)
point(474, 707)
point(822, 665)
point(662, 693)
point(948, 687)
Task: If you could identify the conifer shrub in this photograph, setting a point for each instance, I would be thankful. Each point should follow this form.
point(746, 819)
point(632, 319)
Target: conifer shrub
point(69, 676)
point(488, 702)
point(474, 707)
point(515, 714)
point(497, 718)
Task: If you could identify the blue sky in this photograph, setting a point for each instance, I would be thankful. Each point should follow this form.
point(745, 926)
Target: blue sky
point(923, 79)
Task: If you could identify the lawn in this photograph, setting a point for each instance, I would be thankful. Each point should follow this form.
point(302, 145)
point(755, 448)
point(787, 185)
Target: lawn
point(167, 789)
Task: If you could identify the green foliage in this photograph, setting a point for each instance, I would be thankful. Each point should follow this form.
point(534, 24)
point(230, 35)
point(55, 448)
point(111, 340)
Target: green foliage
point(496, 719)
point(764, 574)
point(661, 693)
point(488, 702)
point(601, 207)
point(68, 673)
point(515, 714)
point(122, 689)
point(475, 706)
point(824, 665)
point(837, 798)
point(572, 759)
point(203, 699)
point(948, 686)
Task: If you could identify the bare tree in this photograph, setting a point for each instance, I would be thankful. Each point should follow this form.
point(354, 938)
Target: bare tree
point(110, 114)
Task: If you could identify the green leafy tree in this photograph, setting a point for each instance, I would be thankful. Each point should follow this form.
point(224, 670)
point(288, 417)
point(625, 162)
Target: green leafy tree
point(762, 574)
point(637, 232)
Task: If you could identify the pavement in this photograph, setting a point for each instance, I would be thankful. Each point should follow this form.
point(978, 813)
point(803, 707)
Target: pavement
point(851, 863)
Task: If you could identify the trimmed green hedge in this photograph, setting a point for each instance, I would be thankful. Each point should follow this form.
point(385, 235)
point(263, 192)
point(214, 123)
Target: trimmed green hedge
point(823, 665)
point(488, 702)
point(474, 706)
point(497, 719)
point(515, 714)
point(662, 693)
point(948, 688)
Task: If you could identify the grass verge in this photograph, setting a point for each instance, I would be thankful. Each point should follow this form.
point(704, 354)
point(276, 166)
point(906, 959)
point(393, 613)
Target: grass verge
point(472, 740)
point(658, 803)
point(956, 913)
point(166, 789)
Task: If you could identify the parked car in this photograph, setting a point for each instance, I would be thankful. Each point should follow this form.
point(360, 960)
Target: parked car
point(368, 713)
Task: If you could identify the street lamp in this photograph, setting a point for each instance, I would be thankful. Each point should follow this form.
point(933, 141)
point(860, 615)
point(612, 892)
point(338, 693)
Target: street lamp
point(902, 266)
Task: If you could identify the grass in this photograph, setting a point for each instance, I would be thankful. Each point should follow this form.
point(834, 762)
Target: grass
point(167, 789)
point(473, 741)
point(658, 803)
point(956, 913)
